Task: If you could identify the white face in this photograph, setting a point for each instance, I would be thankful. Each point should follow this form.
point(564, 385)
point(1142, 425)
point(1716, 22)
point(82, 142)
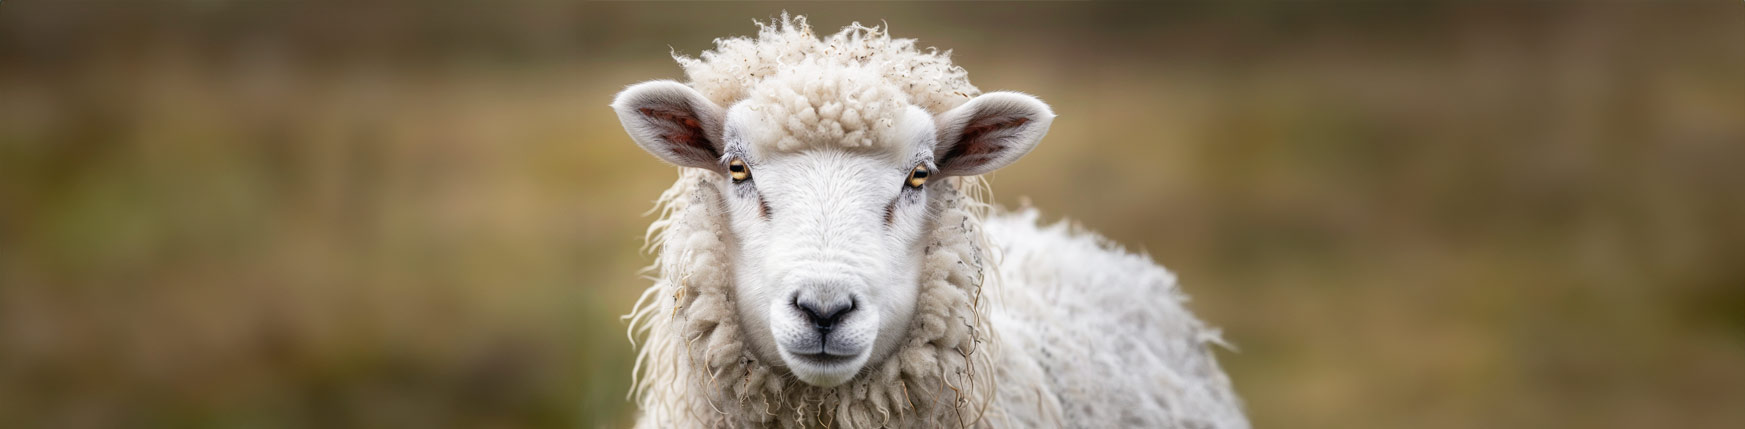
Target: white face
point(827, 241)
point(828, 246)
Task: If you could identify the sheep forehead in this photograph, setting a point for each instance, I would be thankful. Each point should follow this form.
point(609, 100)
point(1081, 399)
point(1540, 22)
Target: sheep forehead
point(822, 107)
point(848, 89)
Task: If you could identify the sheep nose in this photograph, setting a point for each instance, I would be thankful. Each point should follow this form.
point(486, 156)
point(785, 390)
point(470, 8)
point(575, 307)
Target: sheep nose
point(824, 316)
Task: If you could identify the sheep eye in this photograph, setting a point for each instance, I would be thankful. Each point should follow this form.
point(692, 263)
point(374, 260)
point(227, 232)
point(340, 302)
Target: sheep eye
point(737, 169)
point(918, 176)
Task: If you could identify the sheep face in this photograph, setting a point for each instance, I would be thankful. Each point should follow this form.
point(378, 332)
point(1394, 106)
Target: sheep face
point(828, 236)
point(827, 255)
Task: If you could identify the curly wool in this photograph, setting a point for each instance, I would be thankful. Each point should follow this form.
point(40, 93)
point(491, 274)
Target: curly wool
point(1079, 332)
point(847, 89)
point(695, 371)
point(996, 341)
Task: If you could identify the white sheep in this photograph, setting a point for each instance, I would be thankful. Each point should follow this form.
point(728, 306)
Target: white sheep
point(827, 260)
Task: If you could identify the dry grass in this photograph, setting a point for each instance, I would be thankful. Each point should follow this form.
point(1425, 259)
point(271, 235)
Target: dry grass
point(276, 214)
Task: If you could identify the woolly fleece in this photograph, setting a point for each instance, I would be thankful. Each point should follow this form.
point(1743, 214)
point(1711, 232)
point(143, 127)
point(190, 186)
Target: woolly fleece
point(847, 89)
point(1015, 325)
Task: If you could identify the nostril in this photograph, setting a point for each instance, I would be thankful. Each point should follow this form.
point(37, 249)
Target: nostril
point(824, 317)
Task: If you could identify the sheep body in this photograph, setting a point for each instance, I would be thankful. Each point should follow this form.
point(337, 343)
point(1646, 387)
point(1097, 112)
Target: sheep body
point(1079, 333)
point(1098, 336)
point(1014, 325)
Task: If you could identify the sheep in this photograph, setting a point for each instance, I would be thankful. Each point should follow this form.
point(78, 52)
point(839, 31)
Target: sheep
point(827, 257)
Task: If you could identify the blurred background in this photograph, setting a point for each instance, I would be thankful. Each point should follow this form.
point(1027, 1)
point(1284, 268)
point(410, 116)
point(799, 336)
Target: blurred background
point(1405, 215)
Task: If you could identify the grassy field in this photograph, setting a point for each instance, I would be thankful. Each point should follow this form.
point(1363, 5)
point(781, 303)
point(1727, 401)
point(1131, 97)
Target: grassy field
point(280, 214)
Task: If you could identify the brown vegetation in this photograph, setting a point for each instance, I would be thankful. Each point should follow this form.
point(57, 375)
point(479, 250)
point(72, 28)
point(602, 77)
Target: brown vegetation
point(283, 214)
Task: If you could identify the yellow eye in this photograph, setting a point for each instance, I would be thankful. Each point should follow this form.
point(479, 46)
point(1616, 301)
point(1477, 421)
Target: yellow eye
point(738, 170)
point(918, 176)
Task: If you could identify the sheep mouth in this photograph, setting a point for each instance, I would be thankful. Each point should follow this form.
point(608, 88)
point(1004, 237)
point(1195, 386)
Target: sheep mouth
point(824, 359)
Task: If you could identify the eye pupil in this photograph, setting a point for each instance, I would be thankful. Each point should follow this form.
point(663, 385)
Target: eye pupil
point(918, 176)
point(737, 170)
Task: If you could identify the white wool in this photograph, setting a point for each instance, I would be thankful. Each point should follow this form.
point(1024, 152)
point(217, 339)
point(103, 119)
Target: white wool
point(1015, 325)
point(1099, 335)
point(848, 89)
point(1083, 334)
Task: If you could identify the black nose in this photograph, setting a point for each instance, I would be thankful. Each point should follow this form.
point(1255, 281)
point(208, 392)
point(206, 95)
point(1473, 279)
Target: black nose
point(824, 316)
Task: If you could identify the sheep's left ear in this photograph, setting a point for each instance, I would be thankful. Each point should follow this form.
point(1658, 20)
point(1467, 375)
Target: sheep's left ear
point(989, 132)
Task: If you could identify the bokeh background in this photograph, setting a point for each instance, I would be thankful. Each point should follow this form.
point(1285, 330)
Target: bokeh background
point(333, 214)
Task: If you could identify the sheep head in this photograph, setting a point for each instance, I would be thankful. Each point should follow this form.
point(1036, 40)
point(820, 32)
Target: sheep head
point(826, 205)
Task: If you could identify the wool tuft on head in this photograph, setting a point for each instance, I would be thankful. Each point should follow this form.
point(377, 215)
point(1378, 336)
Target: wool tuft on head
point(847, 89)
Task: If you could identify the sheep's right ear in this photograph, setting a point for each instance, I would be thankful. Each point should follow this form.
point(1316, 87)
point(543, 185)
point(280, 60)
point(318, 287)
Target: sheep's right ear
point(673, 122)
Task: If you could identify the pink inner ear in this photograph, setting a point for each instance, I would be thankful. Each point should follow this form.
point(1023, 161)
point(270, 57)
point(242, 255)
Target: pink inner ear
point(973, 149)
point(680, 128)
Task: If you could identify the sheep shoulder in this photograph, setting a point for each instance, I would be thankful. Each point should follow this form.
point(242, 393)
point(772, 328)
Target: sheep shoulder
point(1096, 336)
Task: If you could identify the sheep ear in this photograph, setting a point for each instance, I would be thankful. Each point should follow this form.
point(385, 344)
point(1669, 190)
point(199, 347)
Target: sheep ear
point(989, 132)
point(673, 122)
